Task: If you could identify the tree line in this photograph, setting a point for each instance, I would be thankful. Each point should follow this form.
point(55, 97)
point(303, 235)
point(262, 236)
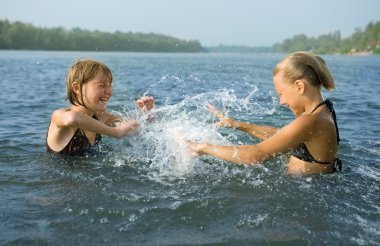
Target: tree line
point(19, 35)
point(367, 40)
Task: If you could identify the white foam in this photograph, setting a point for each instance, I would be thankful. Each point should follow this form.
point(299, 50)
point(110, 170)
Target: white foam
point(163, 142)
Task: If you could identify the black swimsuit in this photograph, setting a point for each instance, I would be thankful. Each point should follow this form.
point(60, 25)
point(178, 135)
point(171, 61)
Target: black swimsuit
point(79, 144)
point(302, 153)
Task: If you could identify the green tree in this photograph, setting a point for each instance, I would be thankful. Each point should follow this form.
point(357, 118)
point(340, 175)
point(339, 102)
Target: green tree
point(360, 40)
point(18, 35)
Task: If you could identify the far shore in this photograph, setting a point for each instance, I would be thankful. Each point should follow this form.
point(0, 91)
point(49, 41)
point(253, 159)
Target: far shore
point(351, 53)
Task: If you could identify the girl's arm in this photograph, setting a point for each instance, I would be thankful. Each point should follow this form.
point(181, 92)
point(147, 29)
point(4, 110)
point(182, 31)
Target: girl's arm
point(282, 141)
point(242, 154)
point(72, 119)
point(260, 132)
point(144, 104)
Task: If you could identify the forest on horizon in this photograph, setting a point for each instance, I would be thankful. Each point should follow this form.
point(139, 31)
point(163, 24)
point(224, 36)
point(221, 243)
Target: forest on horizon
point(24, 36)
point(367, 40)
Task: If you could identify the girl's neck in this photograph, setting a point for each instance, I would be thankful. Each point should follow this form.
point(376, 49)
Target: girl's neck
point(313, 103)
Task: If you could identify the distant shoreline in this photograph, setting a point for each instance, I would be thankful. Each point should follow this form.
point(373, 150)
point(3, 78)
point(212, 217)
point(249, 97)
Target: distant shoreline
point(24, 36)
point(353, 54)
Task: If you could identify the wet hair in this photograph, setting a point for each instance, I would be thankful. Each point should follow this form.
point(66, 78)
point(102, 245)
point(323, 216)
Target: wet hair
point(305, 65)
point(83, 71)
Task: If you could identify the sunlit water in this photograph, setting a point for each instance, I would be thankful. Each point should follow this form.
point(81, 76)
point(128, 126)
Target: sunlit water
point(145, 189)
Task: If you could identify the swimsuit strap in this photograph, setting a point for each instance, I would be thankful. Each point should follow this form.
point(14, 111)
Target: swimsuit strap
point(329, 105)
point(320, 104)
point(337, 164)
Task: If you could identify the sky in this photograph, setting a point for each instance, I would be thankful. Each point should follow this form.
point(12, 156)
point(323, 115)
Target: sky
point(212, 22)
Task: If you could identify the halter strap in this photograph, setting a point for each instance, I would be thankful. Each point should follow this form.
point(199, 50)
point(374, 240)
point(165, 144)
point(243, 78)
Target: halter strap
point(320, 104)
point(329, 105)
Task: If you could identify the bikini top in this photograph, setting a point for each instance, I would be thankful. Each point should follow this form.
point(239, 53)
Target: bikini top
point(302, 153)
point(79, 144)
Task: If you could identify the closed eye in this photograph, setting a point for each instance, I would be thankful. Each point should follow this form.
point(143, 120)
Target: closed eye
point(105, 85)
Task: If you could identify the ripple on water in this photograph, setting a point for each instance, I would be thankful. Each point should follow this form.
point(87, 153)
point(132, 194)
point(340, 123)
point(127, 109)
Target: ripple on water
point(145, 189)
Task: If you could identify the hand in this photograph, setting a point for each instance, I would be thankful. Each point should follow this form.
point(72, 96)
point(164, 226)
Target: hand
point(223, 120)
point(195, 149)
point(145, 103)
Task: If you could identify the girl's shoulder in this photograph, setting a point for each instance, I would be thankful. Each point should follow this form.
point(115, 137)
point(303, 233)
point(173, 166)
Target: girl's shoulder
point(312, 120)
point(61, 117)
point(301, 126)
point(308, 124)
point(59, 113)
point(304, 121)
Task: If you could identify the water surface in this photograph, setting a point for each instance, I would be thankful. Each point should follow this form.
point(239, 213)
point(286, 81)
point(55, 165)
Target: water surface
point(145, 190)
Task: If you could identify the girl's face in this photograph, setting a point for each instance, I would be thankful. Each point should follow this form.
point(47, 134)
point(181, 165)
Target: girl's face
point(96, 93)
point(288, 93)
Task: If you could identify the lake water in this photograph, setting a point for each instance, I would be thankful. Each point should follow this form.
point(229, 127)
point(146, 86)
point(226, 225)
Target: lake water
point(144, 190)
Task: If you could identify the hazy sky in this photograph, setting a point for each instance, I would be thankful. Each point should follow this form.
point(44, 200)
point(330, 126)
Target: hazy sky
point(212, 22)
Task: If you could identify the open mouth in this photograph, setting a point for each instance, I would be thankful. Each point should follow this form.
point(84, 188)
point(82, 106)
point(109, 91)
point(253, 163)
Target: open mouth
point(104, 99)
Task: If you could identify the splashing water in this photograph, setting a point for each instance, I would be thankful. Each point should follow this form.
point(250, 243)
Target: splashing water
point(146, 183)
point(162, 143)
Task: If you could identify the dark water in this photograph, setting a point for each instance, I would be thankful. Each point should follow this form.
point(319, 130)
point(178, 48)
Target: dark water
point(144, 190)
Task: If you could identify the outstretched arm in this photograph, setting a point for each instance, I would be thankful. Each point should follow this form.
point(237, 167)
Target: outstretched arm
point(145, 104)
point(242, 154)
point(70, 119)
point(260, 132)
point(282, 141)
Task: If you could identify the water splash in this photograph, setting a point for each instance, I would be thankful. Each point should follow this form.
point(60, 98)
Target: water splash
point(166, 137)
point(162, 143)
